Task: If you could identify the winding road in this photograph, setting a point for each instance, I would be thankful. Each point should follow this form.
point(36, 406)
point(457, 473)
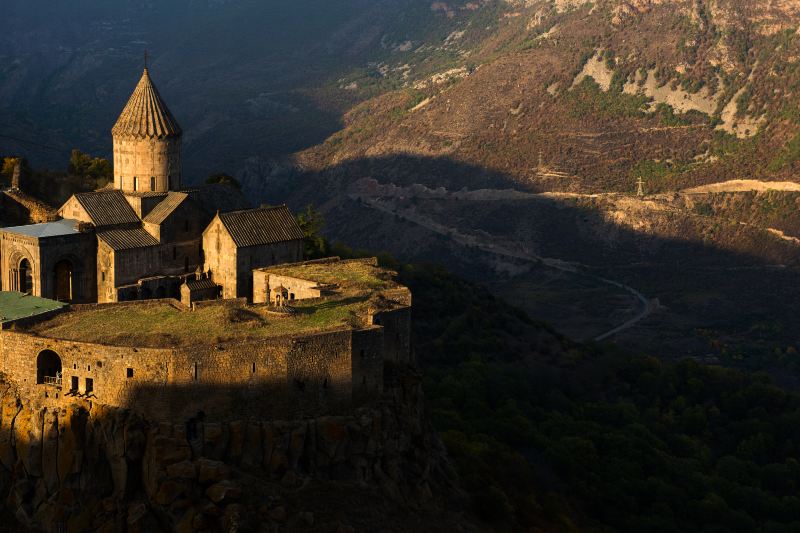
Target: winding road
point(474, 241)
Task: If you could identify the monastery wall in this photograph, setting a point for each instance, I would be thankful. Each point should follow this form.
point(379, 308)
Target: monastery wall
point(279, 378)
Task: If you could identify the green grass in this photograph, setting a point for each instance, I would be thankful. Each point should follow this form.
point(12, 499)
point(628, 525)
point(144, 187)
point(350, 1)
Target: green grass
point(160, 325)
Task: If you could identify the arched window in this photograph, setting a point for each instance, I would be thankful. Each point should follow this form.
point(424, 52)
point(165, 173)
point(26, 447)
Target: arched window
point(48, 368)
point(25, 281)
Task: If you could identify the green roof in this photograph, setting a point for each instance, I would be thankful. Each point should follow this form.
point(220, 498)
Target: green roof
point(16, 305)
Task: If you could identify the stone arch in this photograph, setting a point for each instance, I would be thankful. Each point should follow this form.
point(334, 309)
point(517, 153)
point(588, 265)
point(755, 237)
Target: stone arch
point(48, 368)
point(25, 276)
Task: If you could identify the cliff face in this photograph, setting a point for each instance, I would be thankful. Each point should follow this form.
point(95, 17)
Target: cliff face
point(108, 469)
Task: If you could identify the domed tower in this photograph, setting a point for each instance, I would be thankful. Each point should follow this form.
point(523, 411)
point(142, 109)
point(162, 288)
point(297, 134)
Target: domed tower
point(147, 143)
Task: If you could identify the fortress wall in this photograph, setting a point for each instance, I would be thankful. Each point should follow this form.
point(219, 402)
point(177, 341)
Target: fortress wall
point(106, 366)
point(280, 378)
point(397, 334)
point(367, 350)
point(319, 374)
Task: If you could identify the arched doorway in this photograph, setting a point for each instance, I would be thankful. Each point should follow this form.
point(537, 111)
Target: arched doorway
point(25, 279)
point(63, 272)
point(48, 368)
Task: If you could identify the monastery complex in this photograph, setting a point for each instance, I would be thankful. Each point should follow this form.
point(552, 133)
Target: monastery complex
point(182, 302)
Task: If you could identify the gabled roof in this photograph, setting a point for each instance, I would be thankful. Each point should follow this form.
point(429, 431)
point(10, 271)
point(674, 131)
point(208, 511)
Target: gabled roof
point(165, 207)
point(146, 115)
point(200, 284)
point(107, 208)
point(265, 225)
point(59, 228)
point(127, 238)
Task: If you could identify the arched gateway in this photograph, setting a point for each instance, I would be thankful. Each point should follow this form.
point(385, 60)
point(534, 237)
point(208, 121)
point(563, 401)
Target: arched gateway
point(48, 368)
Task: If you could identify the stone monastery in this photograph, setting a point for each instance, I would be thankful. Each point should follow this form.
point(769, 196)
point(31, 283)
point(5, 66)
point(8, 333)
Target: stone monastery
point(145, 237)
point(183, 302)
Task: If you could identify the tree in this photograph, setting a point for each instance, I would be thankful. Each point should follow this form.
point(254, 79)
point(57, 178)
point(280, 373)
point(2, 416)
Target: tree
point(84, 165)
point(226, 179)
point(311, 222)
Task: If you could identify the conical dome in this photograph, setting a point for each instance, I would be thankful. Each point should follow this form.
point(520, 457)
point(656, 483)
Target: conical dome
point(146, 115)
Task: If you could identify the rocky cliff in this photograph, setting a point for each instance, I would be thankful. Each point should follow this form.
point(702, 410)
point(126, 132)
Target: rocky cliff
point(108, 469)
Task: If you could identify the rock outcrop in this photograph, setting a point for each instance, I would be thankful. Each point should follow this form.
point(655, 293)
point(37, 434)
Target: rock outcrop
point(108, 469)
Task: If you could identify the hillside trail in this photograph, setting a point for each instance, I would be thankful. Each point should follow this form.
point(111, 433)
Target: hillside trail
point(486, 245)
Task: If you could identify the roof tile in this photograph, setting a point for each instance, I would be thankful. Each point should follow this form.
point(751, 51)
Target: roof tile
point(127, 238)
point(107, 208)
point(266, 225)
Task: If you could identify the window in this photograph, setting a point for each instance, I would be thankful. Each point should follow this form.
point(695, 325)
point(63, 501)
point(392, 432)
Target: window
point(135, 183)
point(74, 384)
point(174, 253)
point(195, 372)
point(152, 183)
point(88, 368)
point(129, 373)
point(291, 296)
point(89, 385)
point(254, 368)
point(186, 225)
point(103, 276)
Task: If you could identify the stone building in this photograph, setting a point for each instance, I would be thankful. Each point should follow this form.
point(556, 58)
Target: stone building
point(238, 242)
point(145, 236)
point(227, 357)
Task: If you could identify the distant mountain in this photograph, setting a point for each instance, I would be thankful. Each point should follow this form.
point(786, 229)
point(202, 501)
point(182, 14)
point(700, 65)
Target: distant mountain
point(588, 97)
point(246, 78)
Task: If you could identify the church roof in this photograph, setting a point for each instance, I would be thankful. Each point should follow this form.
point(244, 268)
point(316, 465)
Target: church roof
point(146, 115)
point(265, 225)
point(107, 207)
point(165, 207)
point(59, 228)
point(127, 238)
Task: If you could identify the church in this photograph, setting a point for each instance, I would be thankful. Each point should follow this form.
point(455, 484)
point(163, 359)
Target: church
point(146, 236)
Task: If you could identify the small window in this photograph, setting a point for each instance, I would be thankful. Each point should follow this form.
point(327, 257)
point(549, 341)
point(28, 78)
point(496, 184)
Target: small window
point(174, 253)
point(186, 225)
point(291, 296)
point(88, 368)
point(74, 383)
point(135, 183)
point(129, 373)
point(99, 364)
point(195, 372)
point(254, 368)
point(75, 366)
point(152, 183)
point(89, 385)
point(103, 276)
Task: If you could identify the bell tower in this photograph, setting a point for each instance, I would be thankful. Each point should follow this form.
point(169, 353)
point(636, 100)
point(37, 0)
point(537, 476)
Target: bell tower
point(147, 143)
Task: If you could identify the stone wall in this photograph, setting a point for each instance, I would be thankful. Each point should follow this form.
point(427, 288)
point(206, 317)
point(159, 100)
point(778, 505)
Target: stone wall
point(232, 267)
point(77, 250)
point(144, 159)
point(299, 289)
point(397, 336)
point(284, 377)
